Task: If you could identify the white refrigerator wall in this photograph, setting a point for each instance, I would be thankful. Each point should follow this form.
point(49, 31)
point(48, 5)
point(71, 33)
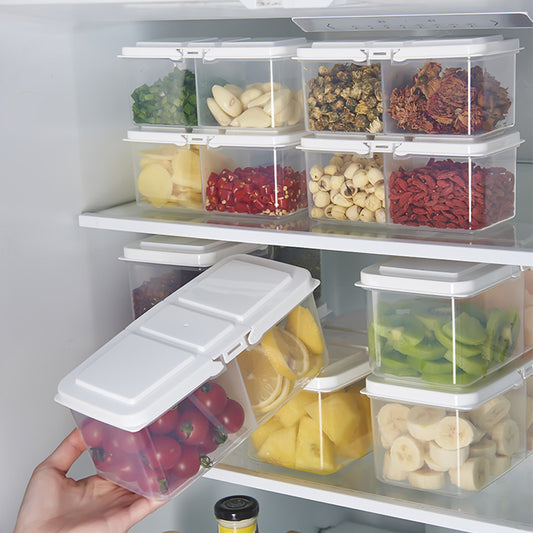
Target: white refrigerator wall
point(64, 111)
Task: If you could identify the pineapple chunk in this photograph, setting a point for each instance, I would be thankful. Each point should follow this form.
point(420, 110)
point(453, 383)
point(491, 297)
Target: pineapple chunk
point(314, 451)
point(338, 415)
point(262, 432)
point(279, 447)
point(358, 445)
point(291, 412)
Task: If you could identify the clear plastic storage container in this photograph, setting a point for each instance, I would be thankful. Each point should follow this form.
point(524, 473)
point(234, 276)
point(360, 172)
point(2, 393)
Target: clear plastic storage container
point(463, 86)
point(160, 265)
point(439, 185)
point(229, 83)
point(326, 426)
point(177, 390)
point(442, 323)
point(262, 176)
point(451, 443)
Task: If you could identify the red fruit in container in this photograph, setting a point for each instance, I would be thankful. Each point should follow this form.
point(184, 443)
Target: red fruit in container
point(211, 397)
point(166, 423)
point(192, 427)
point(118, 440)
point(162, 452)
point(232, 418)
point(93, 433)
point(188, 464)
point(153, 482)
point(216, 436)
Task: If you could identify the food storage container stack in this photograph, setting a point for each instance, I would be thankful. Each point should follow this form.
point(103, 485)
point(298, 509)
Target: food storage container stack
point(442, 324)
point(452, 443)
point(463, 86)
point(222, 83)
point(326, 426)
point(159, 265)
point(178, 389)
point(439, 184)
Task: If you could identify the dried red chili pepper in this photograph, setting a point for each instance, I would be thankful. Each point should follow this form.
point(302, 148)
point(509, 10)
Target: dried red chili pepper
point(452, 203)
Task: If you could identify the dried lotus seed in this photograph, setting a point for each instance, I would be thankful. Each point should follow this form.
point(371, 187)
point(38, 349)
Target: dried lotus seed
point(330, 169)
point(366, 215)
point(317, 212)
point(321, 199)
point(374, 175)
point(325, 183)
point(316, 172)
point(360, 178)
point(337, 181)
point(380, 191)
point(373, 203)
point(339, 199)
point(313, 187)
point(369, 188)
point(337, 161)
point(359, 198)
point(352, 213)
point(351, 169)
point(380, 216)
point(328, 211)
point(347, 189)
point(338, 212)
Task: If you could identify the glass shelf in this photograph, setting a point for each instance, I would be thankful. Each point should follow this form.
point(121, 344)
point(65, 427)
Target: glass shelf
point(506, 243)
point(505, 503)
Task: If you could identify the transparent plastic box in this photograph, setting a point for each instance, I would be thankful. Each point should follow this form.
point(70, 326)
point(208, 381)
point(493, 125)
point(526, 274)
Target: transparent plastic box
point(238, 83)
point(442, 185)
point(159, 265)
point(442, 324)
point(462, 86)
point(262, 176)
point(449, 443)
point(326, 426)
point(179, 388)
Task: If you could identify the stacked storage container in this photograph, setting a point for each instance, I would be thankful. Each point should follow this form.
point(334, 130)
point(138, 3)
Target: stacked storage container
point(229, 116)
point(448, 392)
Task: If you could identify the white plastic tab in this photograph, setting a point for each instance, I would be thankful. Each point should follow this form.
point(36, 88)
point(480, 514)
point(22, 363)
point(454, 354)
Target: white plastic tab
point(434, 277)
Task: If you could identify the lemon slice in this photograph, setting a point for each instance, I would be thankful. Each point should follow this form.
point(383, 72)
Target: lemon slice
point(286, 389)
point(263, 384)
point(315, 365)
point(286, 352)
point(300, 322)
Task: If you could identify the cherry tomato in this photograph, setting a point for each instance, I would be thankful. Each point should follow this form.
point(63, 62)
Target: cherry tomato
point(166, 423)
point(216, 435)
point(211, 397)
point(127, 467)
point(192, 427)
point(104, 461)
point(188, 464)
point(163, 452)
point(232, 418)
point(93, 432)
point(152, 482)
point(126, 441)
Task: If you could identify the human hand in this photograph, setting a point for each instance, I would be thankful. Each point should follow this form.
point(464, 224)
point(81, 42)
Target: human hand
point(56, 503)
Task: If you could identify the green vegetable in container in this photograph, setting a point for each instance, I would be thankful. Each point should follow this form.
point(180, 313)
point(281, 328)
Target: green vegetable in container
point(169, 100)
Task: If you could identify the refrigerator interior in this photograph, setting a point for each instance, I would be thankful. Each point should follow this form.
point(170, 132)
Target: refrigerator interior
point(65, 111)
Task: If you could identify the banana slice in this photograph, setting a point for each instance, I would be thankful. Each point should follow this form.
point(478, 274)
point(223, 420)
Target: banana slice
point(491, 412)
point(422, 422)
point(453, 432)
point(507, 436)
point(447, 458)
point(433, 465)
point(391, 471)
point(427, 479)
point(392, 422)
point(478, 434)
point(472, 475)
point(407, 454)
point(499, 464)
point(484, 448)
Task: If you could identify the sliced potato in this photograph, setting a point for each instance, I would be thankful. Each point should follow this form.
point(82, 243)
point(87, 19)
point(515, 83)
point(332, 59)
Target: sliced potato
point(155, 184)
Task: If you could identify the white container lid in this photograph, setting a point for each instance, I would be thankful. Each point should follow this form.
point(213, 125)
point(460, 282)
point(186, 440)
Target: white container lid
point(213, 49)
point(183, 251)
point(398, 51)
point(183, 341)
point(434, 277)
point(212, 138)
point(418, 146)
point(347, 365)
point(512, 376)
